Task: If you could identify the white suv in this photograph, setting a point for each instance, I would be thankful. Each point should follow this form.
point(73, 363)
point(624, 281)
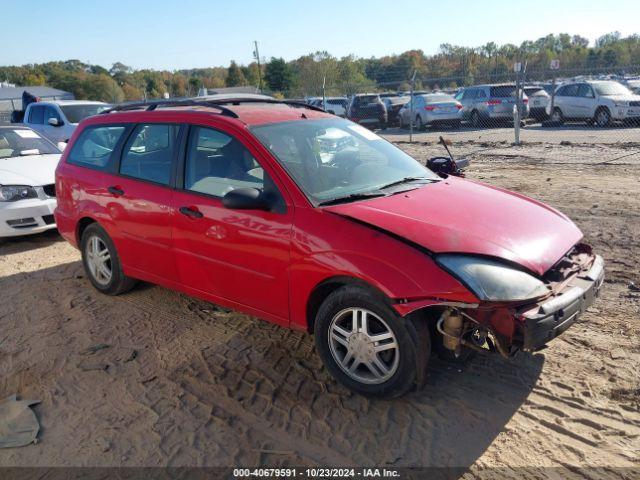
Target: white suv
point(596, 101)
point(57, 120)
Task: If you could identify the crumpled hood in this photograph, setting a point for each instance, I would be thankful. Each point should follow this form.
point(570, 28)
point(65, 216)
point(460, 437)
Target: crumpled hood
point(34, 170)
point(463, 216)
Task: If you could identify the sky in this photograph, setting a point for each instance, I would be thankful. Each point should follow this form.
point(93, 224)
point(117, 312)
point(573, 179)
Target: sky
point(173, 35)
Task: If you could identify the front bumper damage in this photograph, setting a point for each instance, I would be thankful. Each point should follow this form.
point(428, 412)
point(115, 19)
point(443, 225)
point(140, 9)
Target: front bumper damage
point(553, 316)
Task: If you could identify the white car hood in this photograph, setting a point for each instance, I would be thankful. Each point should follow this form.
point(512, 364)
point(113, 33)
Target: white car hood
point(623, 98)
point(33, 170)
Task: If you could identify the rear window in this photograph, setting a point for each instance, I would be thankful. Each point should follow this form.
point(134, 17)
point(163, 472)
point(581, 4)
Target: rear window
point(503, 91)
point(533, 90)
point(438, 98)
point(94, 146)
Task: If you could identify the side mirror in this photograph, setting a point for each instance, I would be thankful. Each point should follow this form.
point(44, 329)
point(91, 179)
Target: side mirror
point(245, 199)
point(62, 146)
point(54, 122)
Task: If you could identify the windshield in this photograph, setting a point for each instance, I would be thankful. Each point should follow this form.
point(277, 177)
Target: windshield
point(611, 88)
point(335, 158)
point(76, 113)
point(16, 142)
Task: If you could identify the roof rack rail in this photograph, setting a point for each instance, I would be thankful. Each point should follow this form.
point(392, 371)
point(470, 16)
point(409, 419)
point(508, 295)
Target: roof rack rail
point(152, 105)
point(210, 103)
point(240, 100)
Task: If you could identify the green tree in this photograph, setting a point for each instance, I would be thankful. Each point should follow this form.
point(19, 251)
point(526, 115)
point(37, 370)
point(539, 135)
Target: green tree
point(235, 77)
point(278, 75)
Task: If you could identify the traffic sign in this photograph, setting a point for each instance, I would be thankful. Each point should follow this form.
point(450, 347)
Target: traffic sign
point(555, 64)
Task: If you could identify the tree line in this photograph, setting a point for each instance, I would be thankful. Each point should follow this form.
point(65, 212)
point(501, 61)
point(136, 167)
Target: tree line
point(451, 66)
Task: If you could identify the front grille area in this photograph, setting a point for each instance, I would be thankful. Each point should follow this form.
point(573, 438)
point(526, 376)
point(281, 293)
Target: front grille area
point(50, 190)
point(48, 219)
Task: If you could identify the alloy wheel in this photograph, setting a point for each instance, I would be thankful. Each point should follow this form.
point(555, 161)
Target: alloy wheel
point(99, 260)
point(363, 345)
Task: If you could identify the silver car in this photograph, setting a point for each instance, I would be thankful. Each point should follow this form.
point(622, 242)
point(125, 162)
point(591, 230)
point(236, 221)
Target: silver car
point(431, 109)
point(595, 101)
point(489, 104)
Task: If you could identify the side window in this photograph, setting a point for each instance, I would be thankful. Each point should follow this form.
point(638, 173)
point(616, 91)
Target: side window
point(36, 114)
point(585, 90)
point(148, 154)
point(568, 91)
point(94, 146)
point(50, 112)
point(217, 163)
point(480, 93)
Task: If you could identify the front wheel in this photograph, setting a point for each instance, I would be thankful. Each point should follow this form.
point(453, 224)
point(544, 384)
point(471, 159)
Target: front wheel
point(102, 263)
point(603, 117)
point(366, 345)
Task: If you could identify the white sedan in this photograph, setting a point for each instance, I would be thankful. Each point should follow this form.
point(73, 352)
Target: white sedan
point(27, 181)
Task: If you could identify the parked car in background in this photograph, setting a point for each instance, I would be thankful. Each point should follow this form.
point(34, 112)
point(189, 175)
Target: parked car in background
point(334, 105)
point(368, 110)
point(539, 100)
point(633, 85)
point(489, 104)
point(596, 102)
point(393, 105)
point(379, 257)
point(431, 109)
point(27, 181)
point(56, 120)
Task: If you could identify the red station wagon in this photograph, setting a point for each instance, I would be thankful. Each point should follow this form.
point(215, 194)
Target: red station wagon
point(315, 223)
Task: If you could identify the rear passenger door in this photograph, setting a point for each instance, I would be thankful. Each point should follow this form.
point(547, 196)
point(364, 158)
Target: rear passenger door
point(141, 199)
point(241, 256)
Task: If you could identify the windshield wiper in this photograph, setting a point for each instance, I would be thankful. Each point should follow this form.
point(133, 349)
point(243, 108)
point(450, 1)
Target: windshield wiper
point(407, 180)
point(352, 198)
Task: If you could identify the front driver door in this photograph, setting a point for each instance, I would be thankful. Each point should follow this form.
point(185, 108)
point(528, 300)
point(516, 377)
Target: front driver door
point(238, 256)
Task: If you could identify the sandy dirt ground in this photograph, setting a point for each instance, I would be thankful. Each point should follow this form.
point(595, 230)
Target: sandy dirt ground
point(156, 378)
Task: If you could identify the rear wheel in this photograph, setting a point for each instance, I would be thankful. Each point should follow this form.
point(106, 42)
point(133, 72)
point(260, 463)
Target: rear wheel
point(366, 345)
point(603, 117)
point(475, 119)
point(419, 125)
point(556, 116)
point(101, 262)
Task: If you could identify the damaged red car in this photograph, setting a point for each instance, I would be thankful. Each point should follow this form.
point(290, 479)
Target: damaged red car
point(315, 223)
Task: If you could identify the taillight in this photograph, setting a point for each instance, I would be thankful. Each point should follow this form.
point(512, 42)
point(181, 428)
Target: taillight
point(494, 102)
point(459, 106)
point(430, 108)
point(525, 100)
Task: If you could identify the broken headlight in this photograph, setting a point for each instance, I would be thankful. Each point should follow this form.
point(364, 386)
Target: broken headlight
point(491, 280)
point(12, 193)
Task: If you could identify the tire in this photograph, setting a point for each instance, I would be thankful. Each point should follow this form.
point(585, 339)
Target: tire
point(98, 248)
point(419, 125)
point(557, 116)
point(475, 119)
point(602, 118)
point(400, 124)
point(350, 346)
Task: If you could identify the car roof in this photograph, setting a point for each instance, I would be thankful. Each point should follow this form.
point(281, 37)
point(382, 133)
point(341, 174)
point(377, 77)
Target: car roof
point(248, 114)
point(69, 102)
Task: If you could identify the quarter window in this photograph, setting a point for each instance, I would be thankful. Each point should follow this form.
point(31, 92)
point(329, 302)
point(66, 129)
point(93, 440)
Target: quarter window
point(149, 152)
point(217, 163)
point(94, 146)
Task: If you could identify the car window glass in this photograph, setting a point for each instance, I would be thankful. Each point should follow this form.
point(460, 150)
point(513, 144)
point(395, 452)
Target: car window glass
point(570, 91)
point(217, 163)
point(50, 112)
point(584, 90)
point(94, 146)
point(36, 114)
point(481, 93)
point(149, 152)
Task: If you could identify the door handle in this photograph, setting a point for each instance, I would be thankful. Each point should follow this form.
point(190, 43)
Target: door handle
point(191, 212)
point(116, 190)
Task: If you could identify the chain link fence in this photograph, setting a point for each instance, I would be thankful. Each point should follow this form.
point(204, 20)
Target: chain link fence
point(587, 114)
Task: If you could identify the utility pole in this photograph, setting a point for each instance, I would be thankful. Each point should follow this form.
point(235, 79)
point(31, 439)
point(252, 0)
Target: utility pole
point(256, 54)
point(324, 97)
point(411, 119)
